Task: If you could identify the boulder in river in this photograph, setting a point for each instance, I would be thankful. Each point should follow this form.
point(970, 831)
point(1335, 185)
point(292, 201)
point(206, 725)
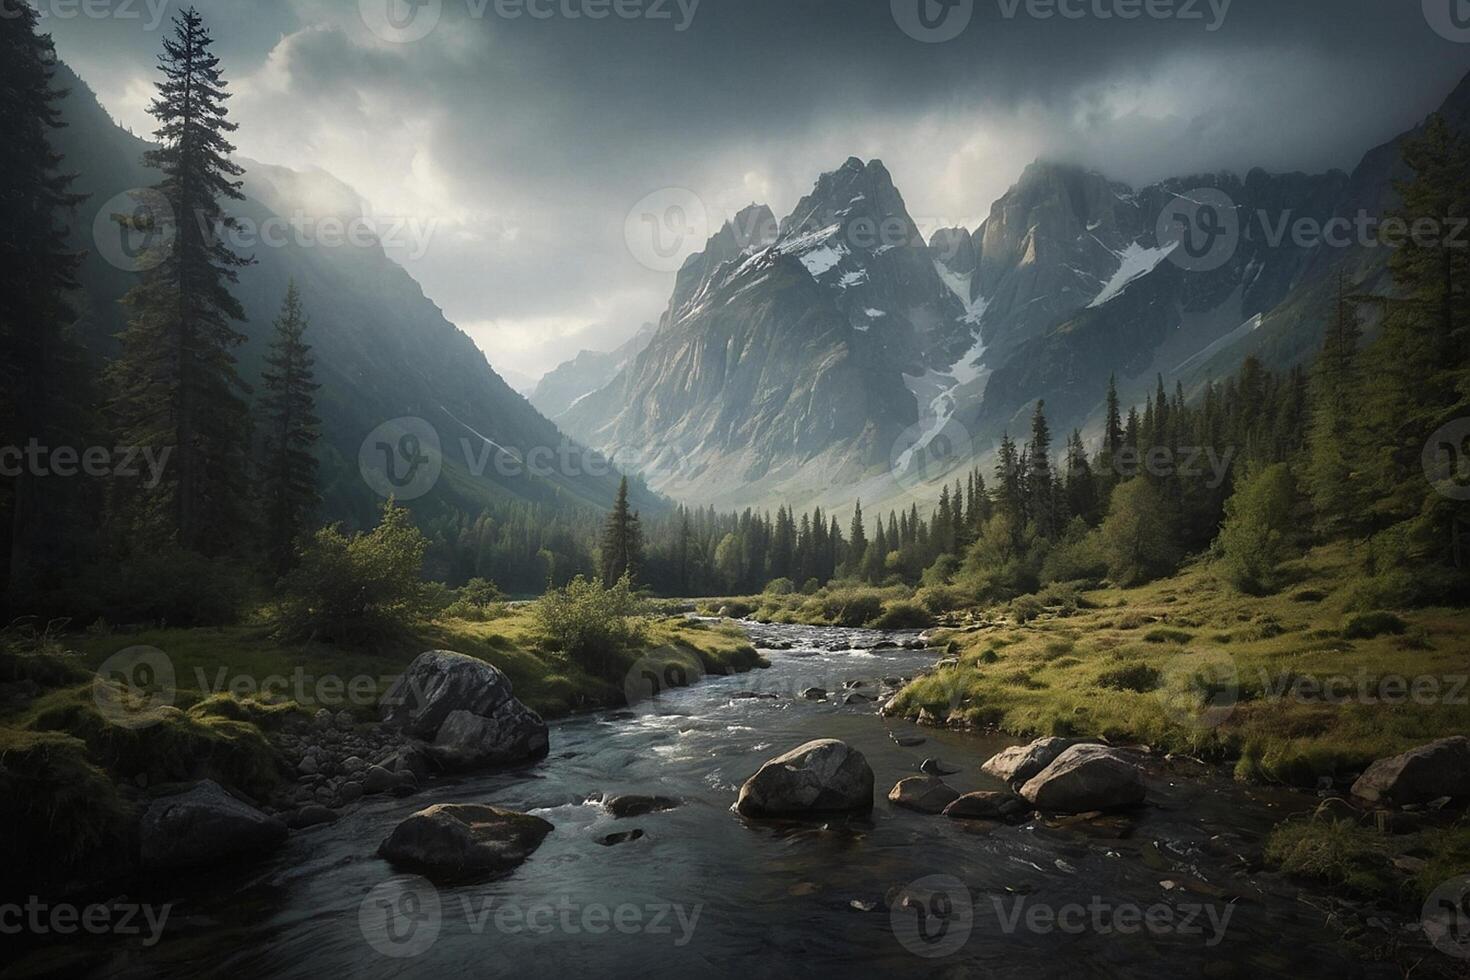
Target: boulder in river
point(937, 767)
point(633, 805)
point(925, 794)
point(513, 734)
point(622, 837)
point(203, 826)
point(466, 708)
point(459, 839)
point(987, 805)
point(1086, 777)
point(821, 776)
point(1419, 775)
point(1019, 763)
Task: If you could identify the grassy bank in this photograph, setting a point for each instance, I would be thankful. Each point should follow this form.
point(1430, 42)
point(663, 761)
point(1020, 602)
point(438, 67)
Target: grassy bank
point(73, 772)
point(1289, 687)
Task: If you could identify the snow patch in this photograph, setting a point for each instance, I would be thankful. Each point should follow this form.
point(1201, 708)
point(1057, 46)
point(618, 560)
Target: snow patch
point(1135, 263)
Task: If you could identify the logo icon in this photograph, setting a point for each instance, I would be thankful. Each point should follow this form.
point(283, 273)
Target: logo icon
point(1449, 18)
point(401, 21)
point(1203, 228)
point(661, 228)
point(933, 917)
point(401, 458)
point(932, 21)
point(928, 450)
point(132, 684)
point(1447, 460)
point(400, 918)
point(661, 670)
point(1446, 917)
point(1200, 689)
point(135, 230)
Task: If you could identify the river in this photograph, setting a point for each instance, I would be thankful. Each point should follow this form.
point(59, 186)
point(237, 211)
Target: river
point(707, 893)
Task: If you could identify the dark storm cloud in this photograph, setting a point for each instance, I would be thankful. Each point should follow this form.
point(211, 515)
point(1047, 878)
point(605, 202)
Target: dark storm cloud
point(529, 138)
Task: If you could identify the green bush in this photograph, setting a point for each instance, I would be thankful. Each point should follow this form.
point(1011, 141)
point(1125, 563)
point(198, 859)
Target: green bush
point(363, 588)
point(903, 614)
point(1163, 635)
point(1025, 608)
point(1256, 536)
point(1138, 678)
point(940, 598)
point(592, 624)
point(1365, 626)
point(175, 587)
point(780, 586)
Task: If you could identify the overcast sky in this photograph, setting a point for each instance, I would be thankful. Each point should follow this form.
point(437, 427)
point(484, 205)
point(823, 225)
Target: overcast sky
point(526, 141)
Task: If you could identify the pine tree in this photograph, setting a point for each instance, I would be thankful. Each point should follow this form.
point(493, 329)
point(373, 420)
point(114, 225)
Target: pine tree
point(43, 387)
point(857, 537)
point(1334, 416)
point(291, 432)
point(1082, 499)
point(175, 384)
point(622, 541)
point(1042, 505)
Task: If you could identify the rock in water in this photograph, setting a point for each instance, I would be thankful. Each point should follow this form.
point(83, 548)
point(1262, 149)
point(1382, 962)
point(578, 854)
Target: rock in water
point(205, 825)
point(987, 806)
point(925, 794)
point(1086, 777)
point(822, 776)
point(935, 767)
point(466, 708)
point(622, 837)
point(1419, 775)
point(631, 805)
point(1019, 763)
point(459, 839)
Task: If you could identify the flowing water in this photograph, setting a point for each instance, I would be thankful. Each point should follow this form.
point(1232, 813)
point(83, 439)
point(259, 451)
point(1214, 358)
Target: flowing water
point(707, 893)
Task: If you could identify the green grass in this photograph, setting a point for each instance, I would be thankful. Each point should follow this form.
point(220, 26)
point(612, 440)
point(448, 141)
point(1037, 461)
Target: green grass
point(1195, 627)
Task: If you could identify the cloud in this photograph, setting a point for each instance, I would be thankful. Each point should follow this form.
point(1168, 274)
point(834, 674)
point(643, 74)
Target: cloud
point(525, 142)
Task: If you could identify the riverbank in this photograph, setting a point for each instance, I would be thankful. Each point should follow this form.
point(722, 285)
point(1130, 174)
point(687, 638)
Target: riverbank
point(83, 757)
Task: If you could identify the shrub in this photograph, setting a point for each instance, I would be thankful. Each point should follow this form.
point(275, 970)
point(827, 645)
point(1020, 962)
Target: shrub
point(1138, 678)
point(940, 598)
point(902, 614)
point(1137, 537)
point(365, 588)
point(780, 586)
point(173, 586)
point(1025, 609)
point(591, 624)
point(1365, 626)
point(1255, 538)
point(1163, 635)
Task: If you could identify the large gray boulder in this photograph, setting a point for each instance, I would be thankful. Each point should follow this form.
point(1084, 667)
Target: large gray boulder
point(1019, 763)
point(1419, 775)
point(468, 741)
point(822, 776)
point(204, 826)
point(926, 794)
point(462, 839)
point(1086, 778)
point(466, 709)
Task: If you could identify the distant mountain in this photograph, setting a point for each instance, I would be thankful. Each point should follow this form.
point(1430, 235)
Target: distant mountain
point(383, 350)
point(831, 356)
point(590, 370)
point(793, 357)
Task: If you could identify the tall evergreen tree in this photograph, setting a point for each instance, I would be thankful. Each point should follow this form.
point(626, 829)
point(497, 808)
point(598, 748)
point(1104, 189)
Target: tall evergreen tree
point(857, 536)
point(1336, 393)
point(622, 541)
point(1042, 504)
point(175, 384)
point(43, 387)
point(291, 432)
